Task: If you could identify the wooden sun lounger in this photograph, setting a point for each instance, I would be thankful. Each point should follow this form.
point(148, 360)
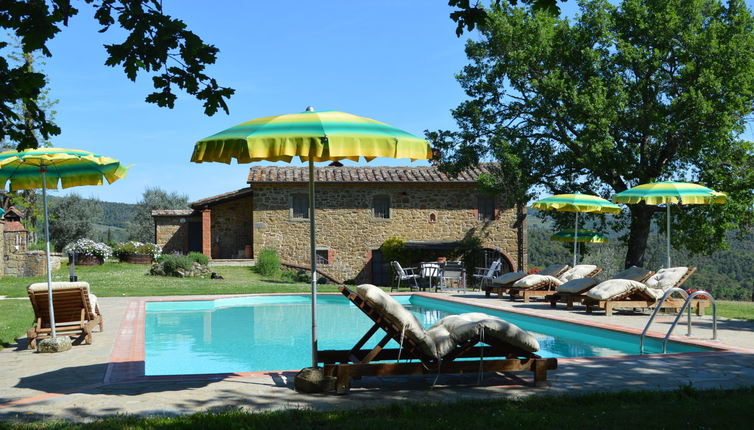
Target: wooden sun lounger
point(640, 299)
point(74, 315)
point(501, 289)
point(344, 365)
point(541, 289)
point(578, 297)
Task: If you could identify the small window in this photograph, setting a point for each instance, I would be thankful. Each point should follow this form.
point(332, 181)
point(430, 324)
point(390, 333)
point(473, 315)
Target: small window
point(300, 206)
point(486, 208)
point(381, 207)
point(322, 256)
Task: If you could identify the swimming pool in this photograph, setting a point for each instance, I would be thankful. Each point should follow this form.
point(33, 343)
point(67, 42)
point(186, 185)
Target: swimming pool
point(258, 333)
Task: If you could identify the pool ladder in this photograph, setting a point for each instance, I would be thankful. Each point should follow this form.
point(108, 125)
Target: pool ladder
point(686, 304)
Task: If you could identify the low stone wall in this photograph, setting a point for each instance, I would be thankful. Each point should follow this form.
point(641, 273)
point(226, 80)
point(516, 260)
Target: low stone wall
point(29, 264)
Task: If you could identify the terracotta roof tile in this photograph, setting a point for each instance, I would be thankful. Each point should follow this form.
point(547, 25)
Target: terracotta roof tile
point(173, 212)
point(209, 201)
point(350, 174)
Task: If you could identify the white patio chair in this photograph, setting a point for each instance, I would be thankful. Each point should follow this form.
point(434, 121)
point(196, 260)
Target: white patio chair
point(404, 274)
point(485, 275)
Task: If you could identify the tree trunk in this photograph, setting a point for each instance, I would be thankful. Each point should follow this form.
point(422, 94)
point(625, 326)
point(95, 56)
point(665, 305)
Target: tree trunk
point(520, 235)
point(641, 221)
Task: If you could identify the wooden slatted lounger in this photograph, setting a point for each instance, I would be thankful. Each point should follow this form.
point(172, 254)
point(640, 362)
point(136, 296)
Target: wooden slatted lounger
point(570, 298)
point(542, 288)
point(504, 282)
point(636, 298)
point(357, 362)
point(75, 314)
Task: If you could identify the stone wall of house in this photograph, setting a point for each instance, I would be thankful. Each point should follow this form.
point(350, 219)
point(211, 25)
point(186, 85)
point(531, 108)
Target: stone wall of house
point(347, 229)
point(172, 234)
point(30, 263)
point(231, 228)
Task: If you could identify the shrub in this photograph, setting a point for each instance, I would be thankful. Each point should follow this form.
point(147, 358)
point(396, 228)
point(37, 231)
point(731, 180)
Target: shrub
point(90, 248)
point(132, 247)
point(268, 263)
point(293, 276)
point(171, 263)
point(198, 257)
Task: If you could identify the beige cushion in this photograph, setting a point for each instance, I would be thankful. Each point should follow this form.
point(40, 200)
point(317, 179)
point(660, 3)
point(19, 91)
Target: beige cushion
point(531, 280)
point(553, 269)
point(666, 278)
point(577, 285)
point(456, 329)
point(633, 273)
point(399, 315)
point(615, 287)
point(508, 278)
point(577, 272)
point(56, 286)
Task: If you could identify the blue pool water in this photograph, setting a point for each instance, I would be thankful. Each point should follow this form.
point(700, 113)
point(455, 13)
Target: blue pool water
point(249, 334)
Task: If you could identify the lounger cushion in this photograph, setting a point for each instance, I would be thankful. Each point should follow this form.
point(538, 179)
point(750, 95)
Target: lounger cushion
point(577, 272)
point(460, 328)
point(531, 280)
point(617, 287)
point(576, 286)
point(633, 273)
point(553, 270)
point(508, 278)
point(399, 315)
point(666, 278)
point(42, 286)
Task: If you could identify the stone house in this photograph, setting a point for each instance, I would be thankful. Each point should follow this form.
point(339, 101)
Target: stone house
point(357, 209)
point(15, 257)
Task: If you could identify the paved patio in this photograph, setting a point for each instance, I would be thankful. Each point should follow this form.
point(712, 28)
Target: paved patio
point(82, 385)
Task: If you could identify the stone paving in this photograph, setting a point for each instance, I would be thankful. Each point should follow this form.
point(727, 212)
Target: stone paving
point(72, 385)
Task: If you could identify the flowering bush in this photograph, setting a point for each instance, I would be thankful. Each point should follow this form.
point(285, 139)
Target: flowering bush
point(89, 247)
point(132, 247)
point(533, 271)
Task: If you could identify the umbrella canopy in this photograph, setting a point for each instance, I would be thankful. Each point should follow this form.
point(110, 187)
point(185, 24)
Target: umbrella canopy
point(576, 202)
point(667, 192)
point(311, 136)
point(583, 236)
point(45, 168)
point(321, 136)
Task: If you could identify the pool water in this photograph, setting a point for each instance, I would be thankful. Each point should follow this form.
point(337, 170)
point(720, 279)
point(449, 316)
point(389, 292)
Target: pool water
point(249, 334)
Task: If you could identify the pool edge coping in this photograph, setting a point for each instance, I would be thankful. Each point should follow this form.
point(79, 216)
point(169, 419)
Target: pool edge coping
point(127, 359)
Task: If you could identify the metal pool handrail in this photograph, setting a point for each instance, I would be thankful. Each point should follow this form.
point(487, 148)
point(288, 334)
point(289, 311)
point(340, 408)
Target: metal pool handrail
point(686, 303)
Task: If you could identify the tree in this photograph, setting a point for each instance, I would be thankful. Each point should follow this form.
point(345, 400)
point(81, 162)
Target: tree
point(142, 227)
point(155, 42)
point(646, 90)
point(469, 16)
point(72, 218)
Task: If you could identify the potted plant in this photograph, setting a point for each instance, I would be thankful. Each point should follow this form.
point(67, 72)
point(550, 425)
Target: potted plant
point(137, 252)
point(89, 252)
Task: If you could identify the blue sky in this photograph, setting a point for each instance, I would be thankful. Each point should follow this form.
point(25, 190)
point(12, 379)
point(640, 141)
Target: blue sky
point(390, 60)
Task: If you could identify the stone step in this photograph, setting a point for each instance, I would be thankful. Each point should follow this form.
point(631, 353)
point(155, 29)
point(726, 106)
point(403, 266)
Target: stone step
point(231, 262)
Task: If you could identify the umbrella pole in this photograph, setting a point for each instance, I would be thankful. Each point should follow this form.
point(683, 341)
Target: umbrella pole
point(47, 245)
point(575, 238)
point(668, 233)
point(313, 255)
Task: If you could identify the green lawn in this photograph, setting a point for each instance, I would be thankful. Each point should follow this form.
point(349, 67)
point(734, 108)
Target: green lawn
point(737, 310)
point(684, 408)
point(123, 279)
point(17, 316)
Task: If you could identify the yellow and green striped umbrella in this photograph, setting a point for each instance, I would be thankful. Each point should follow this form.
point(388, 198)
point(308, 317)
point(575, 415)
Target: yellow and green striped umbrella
point(323, 136)
point(46, 167)
point(667, 192)
point(584, 236)
point(67, 167)
point(576, 202)
point(311, 136)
